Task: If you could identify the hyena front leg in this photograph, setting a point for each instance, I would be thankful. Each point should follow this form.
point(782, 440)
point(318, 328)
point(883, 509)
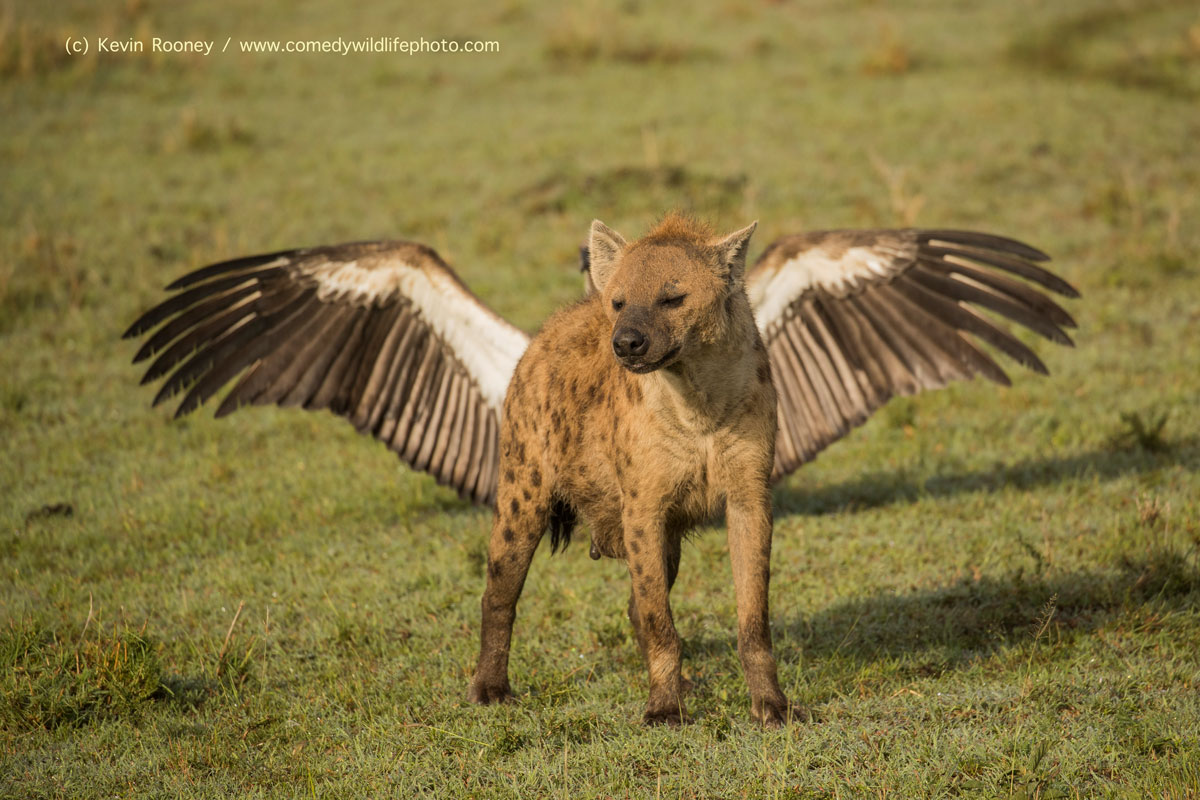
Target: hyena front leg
point(748, 515)
point(653, 563)
point(521, 519)
point(672, 556)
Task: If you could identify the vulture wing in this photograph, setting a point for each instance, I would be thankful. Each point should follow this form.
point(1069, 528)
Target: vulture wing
point(381, 333)
point(851, 318)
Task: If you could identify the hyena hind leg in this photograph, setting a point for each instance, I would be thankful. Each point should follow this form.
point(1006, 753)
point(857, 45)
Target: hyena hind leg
point(518, 528)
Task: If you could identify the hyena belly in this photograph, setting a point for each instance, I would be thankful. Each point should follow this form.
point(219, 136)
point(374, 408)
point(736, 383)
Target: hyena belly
point(586, 395)
point(598, 441)
point(558, 429)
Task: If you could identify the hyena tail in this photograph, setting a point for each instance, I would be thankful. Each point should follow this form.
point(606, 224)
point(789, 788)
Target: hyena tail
point(562, 524)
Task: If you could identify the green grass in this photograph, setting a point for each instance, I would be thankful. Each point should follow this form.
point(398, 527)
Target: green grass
point(981, 593)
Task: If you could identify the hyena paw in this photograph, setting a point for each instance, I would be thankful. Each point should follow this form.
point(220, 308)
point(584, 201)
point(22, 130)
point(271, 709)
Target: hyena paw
point(485, 693)
point(777, 712)
point(672, 718)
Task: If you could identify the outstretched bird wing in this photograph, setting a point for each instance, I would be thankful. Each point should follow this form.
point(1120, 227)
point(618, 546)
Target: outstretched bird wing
point(851, 318)
point(381, 333)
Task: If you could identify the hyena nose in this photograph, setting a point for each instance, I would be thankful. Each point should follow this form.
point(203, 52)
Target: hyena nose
point(630, 342)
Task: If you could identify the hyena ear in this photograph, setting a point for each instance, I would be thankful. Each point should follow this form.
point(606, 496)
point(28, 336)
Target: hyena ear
point(604, 248)
point(732, 251)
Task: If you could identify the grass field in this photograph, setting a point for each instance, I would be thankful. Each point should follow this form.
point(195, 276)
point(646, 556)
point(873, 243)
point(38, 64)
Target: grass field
point(982, 592)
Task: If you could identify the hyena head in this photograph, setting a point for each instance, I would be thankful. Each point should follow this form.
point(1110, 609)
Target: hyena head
point(671, 292)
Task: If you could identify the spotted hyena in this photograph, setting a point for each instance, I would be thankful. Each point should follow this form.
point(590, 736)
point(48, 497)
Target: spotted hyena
point(646, 408)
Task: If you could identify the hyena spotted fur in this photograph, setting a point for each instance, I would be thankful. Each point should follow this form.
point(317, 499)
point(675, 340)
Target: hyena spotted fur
point(647, 408)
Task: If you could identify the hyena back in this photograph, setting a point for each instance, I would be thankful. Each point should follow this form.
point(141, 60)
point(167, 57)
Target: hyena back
point(646, 408)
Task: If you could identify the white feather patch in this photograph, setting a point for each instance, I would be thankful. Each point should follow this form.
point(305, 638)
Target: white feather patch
point(815, 268)
point(487, 346)
point(347, 279)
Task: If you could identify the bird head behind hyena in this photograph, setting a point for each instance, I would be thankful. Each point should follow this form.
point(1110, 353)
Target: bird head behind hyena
point(671, 294)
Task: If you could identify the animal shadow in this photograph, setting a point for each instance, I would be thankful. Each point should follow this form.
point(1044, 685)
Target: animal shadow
point(929, 632)
point(884, 488)
point(946, 625)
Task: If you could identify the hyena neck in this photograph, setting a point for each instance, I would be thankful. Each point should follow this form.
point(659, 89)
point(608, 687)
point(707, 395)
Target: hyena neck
point(708, 388)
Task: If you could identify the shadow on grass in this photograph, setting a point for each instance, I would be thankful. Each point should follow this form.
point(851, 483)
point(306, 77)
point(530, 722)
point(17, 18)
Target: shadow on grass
point(927, 632)
point(878, 489)
point(949, 624)
point(887, 639)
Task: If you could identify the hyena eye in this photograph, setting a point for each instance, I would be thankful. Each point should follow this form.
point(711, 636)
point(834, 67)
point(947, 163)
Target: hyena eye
point(618, 305)
point(672, 302)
